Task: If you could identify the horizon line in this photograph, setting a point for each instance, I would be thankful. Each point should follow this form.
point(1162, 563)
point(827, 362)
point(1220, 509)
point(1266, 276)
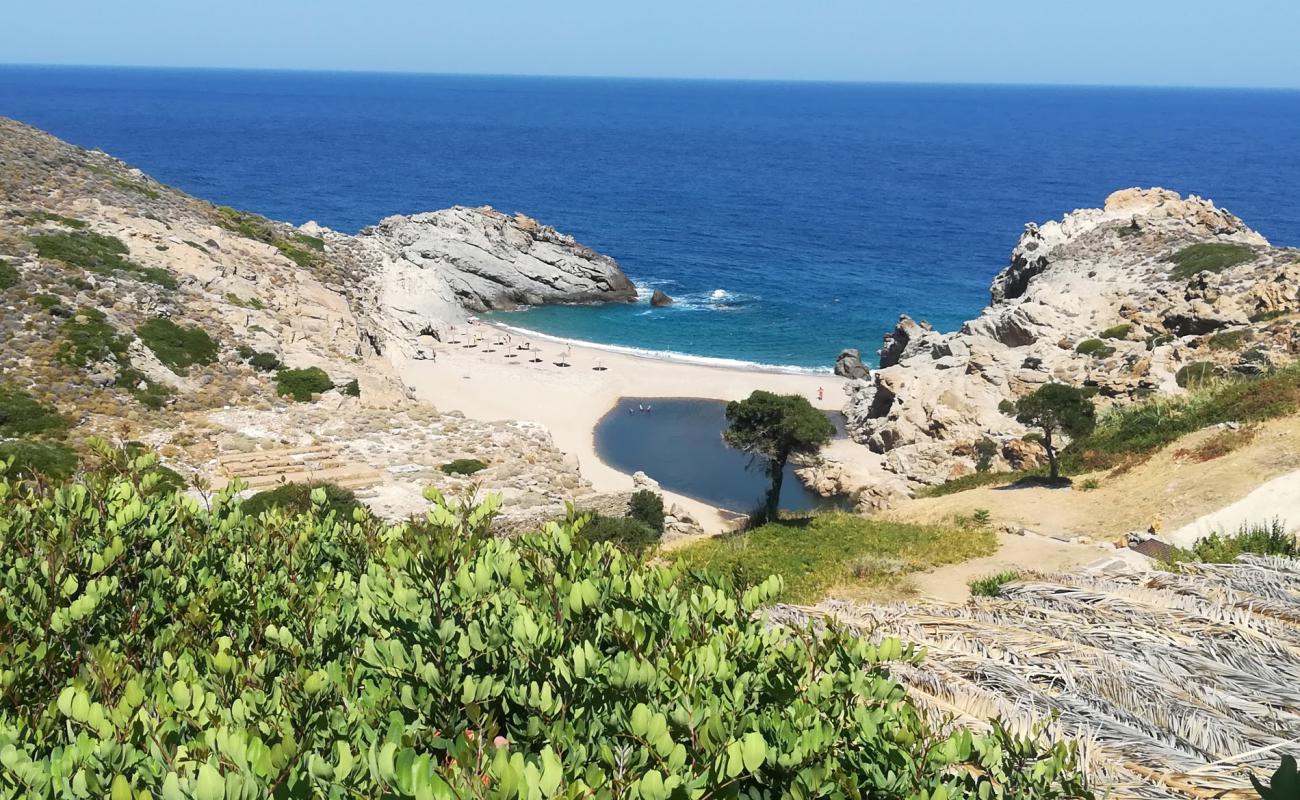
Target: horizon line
point(655, 78)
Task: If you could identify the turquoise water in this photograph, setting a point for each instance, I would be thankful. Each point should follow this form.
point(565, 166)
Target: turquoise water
point(789, 220)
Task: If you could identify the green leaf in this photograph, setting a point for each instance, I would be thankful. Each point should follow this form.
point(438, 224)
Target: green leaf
point(753, 751)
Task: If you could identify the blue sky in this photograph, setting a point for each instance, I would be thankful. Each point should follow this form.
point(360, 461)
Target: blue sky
point(1144, 42)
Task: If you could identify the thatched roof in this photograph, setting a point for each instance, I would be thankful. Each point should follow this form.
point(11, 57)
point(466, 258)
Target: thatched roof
point(1176, 685)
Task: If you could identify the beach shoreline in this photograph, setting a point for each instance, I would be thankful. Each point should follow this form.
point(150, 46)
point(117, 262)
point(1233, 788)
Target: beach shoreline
point(482, 382)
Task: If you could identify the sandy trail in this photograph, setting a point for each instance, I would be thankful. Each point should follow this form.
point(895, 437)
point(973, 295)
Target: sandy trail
point(571, 400)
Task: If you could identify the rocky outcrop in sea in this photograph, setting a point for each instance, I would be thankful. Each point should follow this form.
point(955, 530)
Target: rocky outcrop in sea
point(1118, 299)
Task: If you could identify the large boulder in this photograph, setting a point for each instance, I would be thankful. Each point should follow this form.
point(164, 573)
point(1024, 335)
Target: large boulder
point(660, 298)
point(849, 365)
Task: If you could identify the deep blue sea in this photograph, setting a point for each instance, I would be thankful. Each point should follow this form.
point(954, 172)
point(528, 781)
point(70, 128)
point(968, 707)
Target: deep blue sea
point(788, 219)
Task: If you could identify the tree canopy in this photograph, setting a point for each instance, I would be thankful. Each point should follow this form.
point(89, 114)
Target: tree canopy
point(1057, 408)
point(774, 427)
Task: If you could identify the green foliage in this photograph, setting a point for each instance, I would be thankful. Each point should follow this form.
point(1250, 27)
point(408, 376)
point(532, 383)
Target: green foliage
point(23, 458)
point(157, 646)
point(626, 533)
point(1193, 375)
point(23, 415)
point(1230, 340)
point(1284, 784)
point(1143, 427)
point(302, 384)
point(352, 388)
point(1208, 257)
point(1095, 348)
point(250, 226)
point(773, 427)
point(1120, 331)
point(249, 302)
point(975, 480)
point(463, 466)
point(1267, 316)
point(178, 347)
point(991, 585)
point(1272, 539)
point(985, 451)
point(1057, 408)
point(816, 554)
point(262, 362)
point(96, 252)
point(38, 217)
point(8, 276)
point(296, 498)
point(88, 338)
point(982, 517)
point(647, 507)
point(146, 391)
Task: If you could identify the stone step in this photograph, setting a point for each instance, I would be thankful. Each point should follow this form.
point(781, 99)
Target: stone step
point(349, 476)
point(306, 465)
point(321, 452)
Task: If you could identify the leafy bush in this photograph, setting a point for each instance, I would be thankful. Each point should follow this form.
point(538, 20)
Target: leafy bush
point(31, 459)
point(262, 362)
point(1272, 539)
point(250, 302)
point(146, 391)
point(178, 347)
point(647, 507)
point(1095, 348)
point(38, 216)
point(23, 415)
point(1208, 257)
point(97, 253)
point(171, 648)
point(296, 498)
point(1120, 331)
point(985, 451)
point(1229, 340)
point(88, 338)
point(463, 466)
point(352, 388)
point(991, 585)
point(302, 384)
point(1192, 375)
point(626, 533)
point(8, 276)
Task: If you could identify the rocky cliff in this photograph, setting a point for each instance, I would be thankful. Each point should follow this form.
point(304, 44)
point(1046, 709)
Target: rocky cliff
point(1118, 298)
point(139, 313)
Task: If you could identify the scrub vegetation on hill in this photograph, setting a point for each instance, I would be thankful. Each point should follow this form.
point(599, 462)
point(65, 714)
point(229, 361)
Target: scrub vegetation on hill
point(1131, 433)
point(1209, 257)
point(156, 646)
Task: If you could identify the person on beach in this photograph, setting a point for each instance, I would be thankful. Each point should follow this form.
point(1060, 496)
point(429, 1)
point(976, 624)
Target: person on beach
point(820, 394)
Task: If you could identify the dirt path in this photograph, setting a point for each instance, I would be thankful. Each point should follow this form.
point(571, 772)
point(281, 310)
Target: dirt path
point(1015, 552)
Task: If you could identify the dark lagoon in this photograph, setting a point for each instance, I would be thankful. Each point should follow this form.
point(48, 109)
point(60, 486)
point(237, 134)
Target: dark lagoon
point(678, 442)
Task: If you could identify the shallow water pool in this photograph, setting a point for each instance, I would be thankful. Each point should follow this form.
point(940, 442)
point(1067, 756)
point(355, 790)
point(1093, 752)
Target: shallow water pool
point(678, 442)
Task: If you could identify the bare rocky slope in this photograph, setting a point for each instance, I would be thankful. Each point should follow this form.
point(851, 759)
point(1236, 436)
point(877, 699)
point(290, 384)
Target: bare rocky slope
point(1122, 299)
point(143, 314)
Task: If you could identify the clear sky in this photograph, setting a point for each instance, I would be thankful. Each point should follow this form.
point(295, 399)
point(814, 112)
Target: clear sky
point(1145, 42)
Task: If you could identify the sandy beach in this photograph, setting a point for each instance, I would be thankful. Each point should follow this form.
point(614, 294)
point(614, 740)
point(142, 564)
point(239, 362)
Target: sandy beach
point(571, 400)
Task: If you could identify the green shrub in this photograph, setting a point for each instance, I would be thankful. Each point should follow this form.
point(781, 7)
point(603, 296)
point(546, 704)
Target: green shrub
point(463, 466)
point(1272, 539)
point(302, 384)
point(1193, 375)
point(986, 450)
point(248, 225)
point(88, 338)
point(37, 217)
point(8, 276)
point(146, 391)
point(1120, 331)
point(31, 459)
point(648, 507)
point(352, 388)
point(296, 498)
point(1230, 340)
point(250, 302)
point(97, 253)
point(627, 533)
point(171, 648)
point(23, 415)
point(262, 362)
point(1095, 348)
point(1267, 316)
point(1208, 257)
point(178, 347)
point(991, 585)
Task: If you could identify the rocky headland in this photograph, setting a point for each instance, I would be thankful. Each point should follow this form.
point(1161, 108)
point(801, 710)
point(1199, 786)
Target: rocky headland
point(1132, 299)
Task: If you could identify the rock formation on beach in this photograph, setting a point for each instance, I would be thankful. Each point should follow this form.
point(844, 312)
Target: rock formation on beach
point(1118, 298)
point(96, 258)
